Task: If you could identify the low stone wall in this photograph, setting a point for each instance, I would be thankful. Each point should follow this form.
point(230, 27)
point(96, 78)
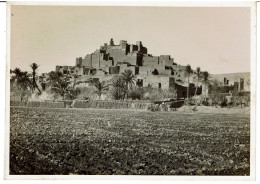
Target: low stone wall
point(44, 104)
point(17, 103)
point(85, 104)
point(109, 104)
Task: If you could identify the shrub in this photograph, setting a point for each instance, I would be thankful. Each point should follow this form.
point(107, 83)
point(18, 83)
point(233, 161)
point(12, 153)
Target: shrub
point(153, 107)
point(164, 107)
point(224, 103)
point(158, 94)
point(205, 102)
point(136, 93)
point(87, 93)
point(177, 104)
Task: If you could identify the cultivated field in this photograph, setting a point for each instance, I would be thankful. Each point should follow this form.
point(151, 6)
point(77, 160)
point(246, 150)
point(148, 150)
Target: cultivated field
point(92, 141)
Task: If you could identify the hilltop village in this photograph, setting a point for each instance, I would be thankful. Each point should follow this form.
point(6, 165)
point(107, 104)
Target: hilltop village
point(154, 71)
point(111, 59)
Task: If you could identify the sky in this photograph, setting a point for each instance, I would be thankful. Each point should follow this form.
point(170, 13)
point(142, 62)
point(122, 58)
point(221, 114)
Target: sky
point(216, 39)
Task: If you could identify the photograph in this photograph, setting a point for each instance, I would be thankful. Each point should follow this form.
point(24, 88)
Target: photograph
point(140, 90)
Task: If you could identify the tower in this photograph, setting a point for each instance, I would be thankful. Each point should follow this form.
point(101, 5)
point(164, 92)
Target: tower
point(111, 42)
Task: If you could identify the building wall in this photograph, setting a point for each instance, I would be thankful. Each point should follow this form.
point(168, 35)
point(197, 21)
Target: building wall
point(155, 80)
point(118, 55)
point(96, 59)
point(132, 68)
point(87, 60)
point(114, 70)
point(150, 60)
point(106, 64)
point(131, 59)
point(166, 60)
point(122, 67)
point(165, 72)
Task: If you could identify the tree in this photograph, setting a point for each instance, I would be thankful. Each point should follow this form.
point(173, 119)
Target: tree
point(198, 75)
point(188, 71)
point(118, 88)
point(34, 68)
point(65, 90)
point(54, 77)
point(128, 77)
point(20, 83)
point(205, 76)
point(101, 88)
point(62, 86)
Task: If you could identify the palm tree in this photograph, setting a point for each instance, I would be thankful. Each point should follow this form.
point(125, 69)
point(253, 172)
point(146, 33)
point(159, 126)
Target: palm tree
point(119, 88)
point(34, 68)
point(188, 73)
point(205, 80)
point(101, 88)
point(21, 78)
point(61, 87)
point(17, 74)
point(21, 82)
point(198, 75)
point(128, 77)
point(54, 77)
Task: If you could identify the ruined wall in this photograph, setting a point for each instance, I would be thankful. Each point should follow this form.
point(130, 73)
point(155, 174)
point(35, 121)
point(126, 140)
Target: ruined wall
point(96, 59)
point(141, 48)
point(87, 61)
point(79, 61)
point(133, 48)
point(166, 60)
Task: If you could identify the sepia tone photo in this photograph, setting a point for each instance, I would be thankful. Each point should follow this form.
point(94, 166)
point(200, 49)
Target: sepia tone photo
point(130, 90)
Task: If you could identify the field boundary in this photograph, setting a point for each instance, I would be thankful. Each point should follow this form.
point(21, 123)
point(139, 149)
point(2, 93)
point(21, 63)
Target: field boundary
point(84, 104)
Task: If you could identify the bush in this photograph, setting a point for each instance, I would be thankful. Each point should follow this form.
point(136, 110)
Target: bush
point(164, 107)
point(177, 104)
point(153, 107)
point(87, 93)
point(136, 93)
point(205, 102)
point(224, 103)
point(158, 94)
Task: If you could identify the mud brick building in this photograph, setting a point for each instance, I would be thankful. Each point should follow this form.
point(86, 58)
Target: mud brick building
point(111, 60)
